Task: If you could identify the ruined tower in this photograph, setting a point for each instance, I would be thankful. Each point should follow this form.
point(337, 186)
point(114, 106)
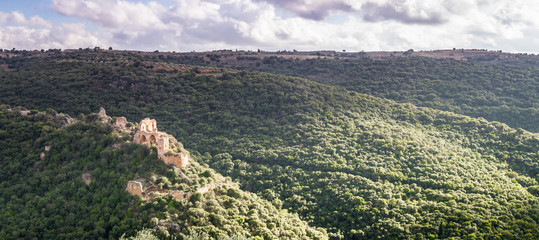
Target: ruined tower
point(147, 133)
point(148, 125)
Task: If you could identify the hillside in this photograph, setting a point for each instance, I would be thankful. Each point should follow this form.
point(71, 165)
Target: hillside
point(358, 166)
point(497, 86)
point(495, 91)
point(69, 182)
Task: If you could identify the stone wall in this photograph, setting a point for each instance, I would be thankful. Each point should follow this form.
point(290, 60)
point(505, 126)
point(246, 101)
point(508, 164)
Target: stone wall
point(121, 123)
point(163, 145)
point(147, 137)
point(177, 159)
point(135, 188)
point(180, 195)
point(148, 125)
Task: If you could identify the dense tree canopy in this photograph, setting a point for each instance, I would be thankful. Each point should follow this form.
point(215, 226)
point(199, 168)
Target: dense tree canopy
point(498, 92)
point(358, 166)
point(44, 196)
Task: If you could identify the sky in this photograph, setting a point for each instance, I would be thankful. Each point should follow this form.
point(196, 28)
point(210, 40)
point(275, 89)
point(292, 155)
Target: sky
point(271, 25)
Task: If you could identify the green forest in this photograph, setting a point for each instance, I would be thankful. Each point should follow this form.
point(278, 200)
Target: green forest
point(349, 164)
point(45, 197)
point(495, 91)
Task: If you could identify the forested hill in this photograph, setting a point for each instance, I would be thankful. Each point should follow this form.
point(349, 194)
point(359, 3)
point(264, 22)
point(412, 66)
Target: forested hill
point(507, 93)
point(61, 181)
point(359, 166)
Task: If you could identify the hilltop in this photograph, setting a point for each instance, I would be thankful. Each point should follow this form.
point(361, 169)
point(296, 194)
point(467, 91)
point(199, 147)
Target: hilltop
point(357, 165)
point(229, 57)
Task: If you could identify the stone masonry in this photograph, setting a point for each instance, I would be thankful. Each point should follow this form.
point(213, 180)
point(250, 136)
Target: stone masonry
point(147, 134)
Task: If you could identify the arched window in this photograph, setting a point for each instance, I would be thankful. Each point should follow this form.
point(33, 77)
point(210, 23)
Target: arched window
point(152, 139)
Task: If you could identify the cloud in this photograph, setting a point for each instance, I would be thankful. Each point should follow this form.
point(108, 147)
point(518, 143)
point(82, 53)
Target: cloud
point(113, 13)
point(17, 31)
point(402, 11)
point(185, 25)
point(17, 18)
point(312, 9)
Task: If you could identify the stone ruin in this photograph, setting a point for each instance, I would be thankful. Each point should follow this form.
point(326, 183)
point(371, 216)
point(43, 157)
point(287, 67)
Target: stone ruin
point(120, 123)
point(134, 188)
point(148, 193)
point(147, 134)
point(168, 150)
point(103, 115)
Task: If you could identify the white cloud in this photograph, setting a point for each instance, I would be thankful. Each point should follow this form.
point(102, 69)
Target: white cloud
point(17, 18)
point(249, 24)
point(17, 31)
point(313, 9)
point(405, 11)
point(113, 14)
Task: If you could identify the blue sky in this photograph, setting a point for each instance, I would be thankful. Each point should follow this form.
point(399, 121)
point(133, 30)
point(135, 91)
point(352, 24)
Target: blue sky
point(32, 8)
point(353, 25)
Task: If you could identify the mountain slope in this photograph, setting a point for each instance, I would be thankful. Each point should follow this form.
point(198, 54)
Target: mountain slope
point(498, 92)
point(359, 166)
point(70, 183)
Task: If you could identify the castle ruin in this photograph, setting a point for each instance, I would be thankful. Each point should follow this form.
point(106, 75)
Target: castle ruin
point(147, 134)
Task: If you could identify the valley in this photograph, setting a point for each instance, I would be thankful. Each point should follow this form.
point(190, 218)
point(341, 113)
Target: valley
point(356, 148)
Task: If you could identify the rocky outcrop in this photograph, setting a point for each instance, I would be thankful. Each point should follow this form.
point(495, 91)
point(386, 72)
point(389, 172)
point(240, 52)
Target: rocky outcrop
point(100, 117)
point(87, 178)
point(103, 115)
point(42, 154)
point(62, 120)
point(120, 123)
point(134, 188)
